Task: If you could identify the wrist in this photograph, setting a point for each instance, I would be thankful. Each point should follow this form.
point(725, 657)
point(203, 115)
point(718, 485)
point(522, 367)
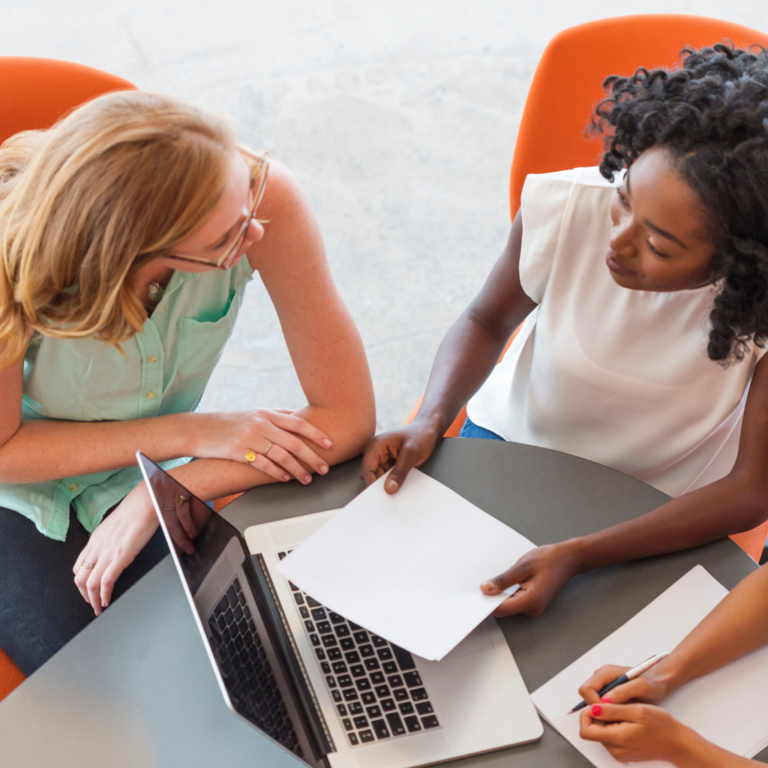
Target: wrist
point(666, 677)
point(188, 429)
point(138, 504)
point(433, 421)
point(693, 751)
point(576, 553)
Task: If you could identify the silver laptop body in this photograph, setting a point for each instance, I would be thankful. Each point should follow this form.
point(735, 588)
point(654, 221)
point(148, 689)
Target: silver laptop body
point(322, 687)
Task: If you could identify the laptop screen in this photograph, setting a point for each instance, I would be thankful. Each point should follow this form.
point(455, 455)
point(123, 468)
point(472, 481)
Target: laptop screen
point(260, 676)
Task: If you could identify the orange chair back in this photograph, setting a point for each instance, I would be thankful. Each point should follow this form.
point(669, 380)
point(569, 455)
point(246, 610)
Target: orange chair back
point(35, 93)
point(567, 84)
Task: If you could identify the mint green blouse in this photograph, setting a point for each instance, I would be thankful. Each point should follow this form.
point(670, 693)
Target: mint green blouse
point(164, 369)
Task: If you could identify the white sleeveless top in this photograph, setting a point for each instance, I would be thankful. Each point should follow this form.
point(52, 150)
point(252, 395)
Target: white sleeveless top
point(617, 376)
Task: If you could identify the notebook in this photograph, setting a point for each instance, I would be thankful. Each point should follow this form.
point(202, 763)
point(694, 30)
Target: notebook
point(729, 707)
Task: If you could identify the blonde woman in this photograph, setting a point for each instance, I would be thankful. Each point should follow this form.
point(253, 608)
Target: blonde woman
point(128, 233)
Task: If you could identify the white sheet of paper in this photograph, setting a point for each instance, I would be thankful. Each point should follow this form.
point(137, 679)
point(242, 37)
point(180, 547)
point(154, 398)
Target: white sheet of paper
point(408, 567)
point(729, 707)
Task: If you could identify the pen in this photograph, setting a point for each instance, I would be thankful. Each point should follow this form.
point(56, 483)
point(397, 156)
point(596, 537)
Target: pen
point(626, 677)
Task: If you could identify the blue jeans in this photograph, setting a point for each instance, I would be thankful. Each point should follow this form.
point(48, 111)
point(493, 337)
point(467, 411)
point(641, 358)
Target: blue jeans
point(470, 429)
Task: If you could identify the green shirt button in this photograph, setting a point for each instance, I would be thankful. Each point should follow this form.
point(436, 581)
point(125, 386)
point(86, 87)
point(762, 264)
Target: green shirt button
point(150, 395)
point(152, 359)
point(73, 487)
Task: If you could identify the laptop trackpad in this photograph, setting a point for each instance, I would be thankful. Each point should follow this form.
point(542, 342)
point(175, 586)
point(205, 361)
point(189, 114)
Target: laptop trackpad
point(477, 641)
point(420, 750)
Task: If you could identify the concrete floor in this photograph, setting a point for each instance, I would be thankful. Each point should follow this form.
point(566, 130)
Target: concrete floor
point(398, 118)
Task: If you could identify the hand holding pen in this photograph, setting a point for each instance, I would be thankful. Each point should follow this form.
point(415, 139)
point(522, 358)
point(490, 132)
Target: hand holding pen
point(615, 680)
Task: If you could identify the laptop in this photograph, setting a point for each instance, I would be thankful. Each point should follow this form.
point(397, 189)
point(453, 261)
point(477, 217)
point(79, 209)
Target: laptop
point(324, 688)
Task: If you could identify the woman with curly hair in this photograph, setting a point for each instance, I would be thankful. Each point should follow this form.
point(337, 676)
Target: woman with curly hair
point(642, 286)
point(128, 233)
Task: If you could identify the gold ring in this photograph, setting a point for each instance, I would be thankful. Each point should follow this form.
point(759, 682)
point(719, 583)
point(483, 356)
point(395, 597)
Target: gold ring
point(268, 447)
point(88, 565)
point(180, 499)
point(250, 456)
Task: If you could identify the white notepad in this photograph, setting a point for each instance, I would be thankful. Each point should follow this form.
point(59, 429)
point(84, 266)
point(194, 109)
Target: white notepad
point(729, 706)
point(409, 566)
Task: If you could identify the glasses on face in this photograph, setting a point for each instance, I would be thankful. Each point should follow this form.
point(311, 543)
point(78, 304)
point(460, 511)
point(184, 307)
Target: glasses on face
point(259, 165)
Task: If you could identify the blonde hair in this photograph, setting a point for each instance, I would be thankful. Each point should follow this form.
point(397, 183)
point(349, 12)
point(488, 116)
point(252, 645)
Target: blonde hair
point(84, 205)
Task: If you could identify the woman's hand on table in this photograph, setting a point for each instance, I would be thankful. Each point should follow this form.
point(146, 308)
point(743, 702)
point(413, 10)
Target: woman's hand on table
point(399, 450)
point(113, 546)
point(275, 432)
point(649, 688)
point(541, 574)
point(637, 732)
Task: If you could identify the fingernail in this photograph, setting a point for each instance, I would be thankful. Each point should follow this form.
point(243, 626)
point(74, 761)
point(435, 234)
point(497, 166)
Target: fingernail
point(307, 478)
point(327, 443)
point(488, 585)
point(286, 478)
point(392, 485)
point(607, 700)
point(597, 710)
point(323, 469)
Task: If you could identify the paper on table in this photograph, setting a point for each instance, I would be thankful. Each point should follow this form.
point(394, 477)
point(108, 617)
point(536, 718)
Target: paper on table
point(729, 706)
point(408, 567)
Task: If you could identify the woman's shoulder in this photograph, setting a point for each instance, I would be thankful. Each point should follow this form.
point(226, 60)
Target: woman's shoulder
point(586, 177)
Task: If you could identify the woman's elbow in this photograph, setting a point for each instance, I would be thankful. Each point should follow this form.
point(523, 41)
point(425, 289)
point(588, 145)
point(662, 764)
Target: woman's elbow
point(357, 427)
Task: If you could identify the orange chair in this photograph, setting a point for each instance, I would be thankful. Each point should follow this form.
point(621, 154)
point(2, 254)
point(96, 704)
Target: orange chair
point(35, 93)
point(566, 87)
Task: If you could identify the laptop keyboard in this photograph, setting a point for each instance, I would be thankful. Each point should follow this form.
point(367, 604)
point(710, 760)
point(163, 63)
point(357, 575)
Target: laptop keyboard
point(375, 685)
point(246, 670)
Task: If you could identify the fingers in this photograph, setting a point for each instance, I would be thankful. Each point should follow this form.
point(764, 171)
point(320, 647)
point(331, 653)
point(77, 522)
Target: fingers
point(379, 457)
point(290, 453)
point(262, 463)
point(299, 426)
point(514, 575)
point(290, 459)
point(108, 580)
point(618, 713)
point(631, 691)
point(93, 586)
point(81, 577)
point(591, 729)
point(406, 461)
point(184, 513)
point(589, 691)
point(525, 601)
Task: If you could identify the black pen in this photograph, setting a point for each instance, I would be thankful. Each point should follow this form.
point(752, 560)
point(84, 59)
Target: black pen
point(626, 677)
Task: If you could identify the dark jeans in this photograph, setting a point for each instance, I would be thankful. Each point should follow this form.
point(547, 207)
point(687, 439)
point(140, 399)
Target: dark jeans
point(470, 429)
point(41, 609)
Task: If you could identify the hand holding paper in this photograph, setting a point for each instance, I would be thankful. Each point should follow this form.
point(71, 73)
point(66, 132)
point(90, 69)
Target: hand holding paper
point(408, 566)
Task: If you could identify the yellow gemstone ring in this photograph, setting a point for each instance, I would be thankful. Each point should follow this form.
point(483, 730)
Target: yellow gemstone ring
point(250, 456)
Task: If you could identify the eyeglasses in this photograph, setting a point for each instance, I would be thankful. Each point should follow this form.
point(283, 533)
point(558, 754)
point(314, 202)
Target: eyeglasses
point(259, 165)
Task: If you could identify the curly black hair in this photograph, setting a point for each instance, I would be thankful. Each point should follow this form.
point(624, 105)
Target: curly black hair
point(712, 117)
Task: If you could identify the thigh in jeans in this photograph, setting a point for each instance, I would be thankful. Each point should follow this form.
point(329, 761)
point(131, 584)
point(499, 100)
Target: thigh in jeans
point(41, 609)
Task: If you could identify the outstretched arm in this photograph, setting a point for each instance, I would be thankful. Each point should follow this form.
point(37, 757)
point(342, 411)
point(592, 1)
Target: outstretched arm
point(464, 360)
point(731, 505)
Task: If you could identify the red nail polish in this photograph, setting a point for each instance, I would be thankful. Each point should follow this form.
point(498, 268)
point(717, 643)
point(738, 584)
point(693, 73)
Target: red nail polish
point(597, 710)
point(607, 700)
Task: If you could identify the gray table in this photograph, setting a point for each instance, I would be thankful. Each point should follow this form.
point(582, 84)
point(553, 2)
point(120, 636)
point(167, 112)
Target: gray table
point(136, 689)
